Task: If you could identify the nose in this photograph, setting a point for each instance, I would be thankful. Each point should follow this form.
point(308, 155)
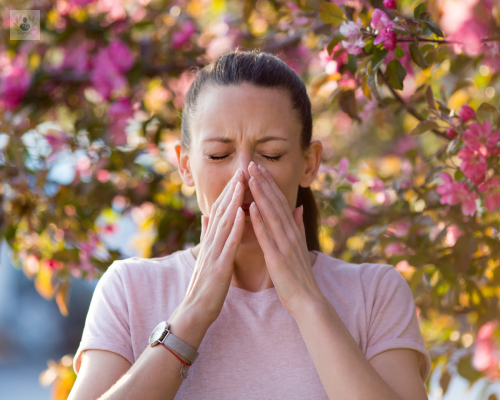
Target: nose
point(246, 174)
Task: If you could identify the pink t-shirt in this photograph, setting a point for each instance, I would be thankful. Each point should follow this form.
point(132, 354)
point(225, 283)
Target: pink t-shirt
point(252, 350)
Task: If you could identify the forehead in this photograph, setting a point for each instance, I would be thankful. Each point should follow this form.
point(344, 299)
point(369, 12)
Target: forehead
point(245, 111)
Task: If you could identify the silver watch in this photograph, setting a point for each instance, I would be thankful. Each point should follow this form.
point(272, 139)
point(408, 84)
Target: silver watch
point(162, 334)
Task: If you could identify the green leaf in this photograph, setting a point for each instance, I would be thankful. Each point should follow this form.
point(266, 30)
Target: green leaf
point(487, 107)
point(417, 56)
point(399, 52)
point(429, 97)
point(459, 176)
point(336, 39)
point(331, 14)
point(379, 55)
point(434, 28)
point(395, 74)
point(424, 126)
point(418, 9)
point(466, 370)
point(373, 84)
point(369, 46)
point(347, 102)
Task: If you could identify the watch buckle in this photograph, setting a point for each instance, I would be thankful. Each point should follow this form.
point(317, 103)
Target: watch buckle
point(162, 340)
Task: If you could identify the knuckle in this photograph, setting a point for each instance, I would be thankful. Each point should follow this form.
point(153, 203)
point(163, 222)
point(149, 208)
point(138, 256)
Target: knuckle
point(220, 211)
point(276, 201)
point(222, 223)
point(274, 216)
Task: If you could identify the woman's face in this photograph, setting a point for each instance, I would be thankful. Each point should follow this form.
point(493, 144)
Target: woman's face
point(234, 125)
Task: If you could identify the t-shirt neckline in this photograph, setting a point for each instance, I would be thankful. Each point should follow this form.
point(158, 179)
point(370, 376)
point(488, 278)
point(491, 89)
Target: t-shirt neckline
point(245, 295)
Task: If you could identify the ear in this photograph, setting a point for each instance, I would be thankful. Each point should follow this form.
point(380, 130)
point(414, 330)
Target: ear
point(313, 162)
point(183, 164)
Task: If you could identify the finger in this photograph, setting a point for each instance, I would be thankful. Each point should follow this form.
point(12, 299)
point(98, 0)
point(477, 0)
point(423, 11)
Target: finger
point(277, 198)
point(227, 221)
point(274, 192)
point(273, 216)
point(218, 208)
point(228, 253)
point(263, 235)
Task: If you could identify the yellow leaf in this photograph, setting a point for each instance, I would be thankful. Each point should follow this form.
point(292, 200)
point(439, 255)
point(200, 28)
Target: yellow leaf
point(43, 282)
point(62, 298)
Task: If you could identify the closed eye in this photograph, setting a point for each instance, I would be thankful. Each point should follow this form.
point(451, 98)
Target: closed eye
point(268, 157)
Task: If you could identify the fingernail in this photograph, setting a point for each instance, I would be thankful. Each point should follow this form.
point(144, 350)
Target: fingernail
point(238, 187)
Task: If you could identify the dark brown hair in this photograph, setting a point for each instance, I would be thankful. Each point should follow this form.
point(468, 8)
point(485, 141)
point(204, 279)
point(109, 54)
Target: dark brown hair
point(261, 70)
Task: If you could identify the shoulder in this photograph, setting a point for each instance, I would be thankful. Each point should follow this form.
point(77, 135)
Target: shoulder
point(366, 273)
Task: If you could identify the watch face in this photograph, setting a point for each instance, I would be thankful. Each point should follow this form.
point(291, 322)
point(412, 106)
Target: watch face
point(157, 332)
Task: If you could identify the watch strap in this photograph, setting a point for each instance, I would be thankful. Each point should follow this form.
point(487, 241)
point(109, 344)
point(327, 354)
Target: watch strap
point(180, 347)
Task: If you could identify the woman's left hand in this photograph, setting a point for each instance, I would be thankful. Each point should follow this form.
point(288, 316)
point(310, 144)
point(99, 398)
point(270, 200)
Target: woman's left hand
point(281, 235)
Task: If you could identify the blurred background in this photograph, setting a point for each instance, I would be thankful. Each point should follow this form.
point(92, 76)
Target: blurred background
point(405, 96)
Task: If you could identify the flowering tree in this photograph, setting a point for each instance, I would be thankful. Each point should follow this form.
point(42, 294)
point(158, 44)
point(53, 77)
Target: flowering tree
point(405, 93)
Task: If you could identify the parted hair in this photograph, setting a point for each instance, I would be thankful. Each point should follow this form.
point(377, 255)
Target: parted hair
point(262, 70)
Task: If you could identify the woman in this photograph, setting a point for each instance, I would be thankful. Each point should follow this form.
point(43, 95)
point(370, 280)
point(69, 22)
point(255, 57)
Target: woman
point(269, 314)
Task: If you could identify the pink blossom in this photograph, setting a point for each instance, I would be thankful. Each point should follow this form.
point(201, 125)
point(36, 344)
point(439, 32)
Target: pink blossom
point(80, 3)
point(390, 4)
point(452, 234)
point(114, 9)
point(353, 217)
point(341, 170)
point(479, 136)
point(451, 133)
point(298, 58)
point(120, 55)
point(460, 24)
point(385, 27)
point(397, 249)
point(327, 61)
point(56, 138)
point(492, 195)
point(182, 36)
point(14, 82)
point(378, 186)
point(109, 66)
point(354, 43)
point(474, 164)
point(486, 356)
point(491, 51)
point(120, 111)
point(53, 264)
point(103, 176)
point(453, 193)
point(77, 57)
point(180, 87)
point(466, 113)
point(399, 228)
point(105, 76)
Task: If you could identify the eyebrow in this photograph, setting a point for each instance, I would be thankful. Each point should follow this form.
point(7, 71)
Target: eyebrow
point(228, 140)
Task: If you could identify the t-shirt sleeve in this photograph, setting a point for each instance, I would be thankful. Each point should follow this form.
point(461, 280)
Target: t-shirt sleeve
point(107, 324)
point(393, 320)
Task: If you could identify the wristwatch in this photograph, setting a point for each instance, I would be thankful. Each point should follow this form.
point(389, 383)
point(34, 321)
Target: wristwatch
point(162, 334)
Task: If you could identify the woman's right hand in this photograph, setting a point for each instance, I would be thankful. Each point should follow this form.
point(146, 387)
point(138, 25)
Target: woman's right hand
point(220, 238)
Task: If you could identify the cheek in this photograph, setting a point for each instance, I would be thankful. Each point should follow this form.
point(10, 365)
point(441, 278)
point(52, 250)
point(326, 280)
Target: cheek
point(210, 185)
